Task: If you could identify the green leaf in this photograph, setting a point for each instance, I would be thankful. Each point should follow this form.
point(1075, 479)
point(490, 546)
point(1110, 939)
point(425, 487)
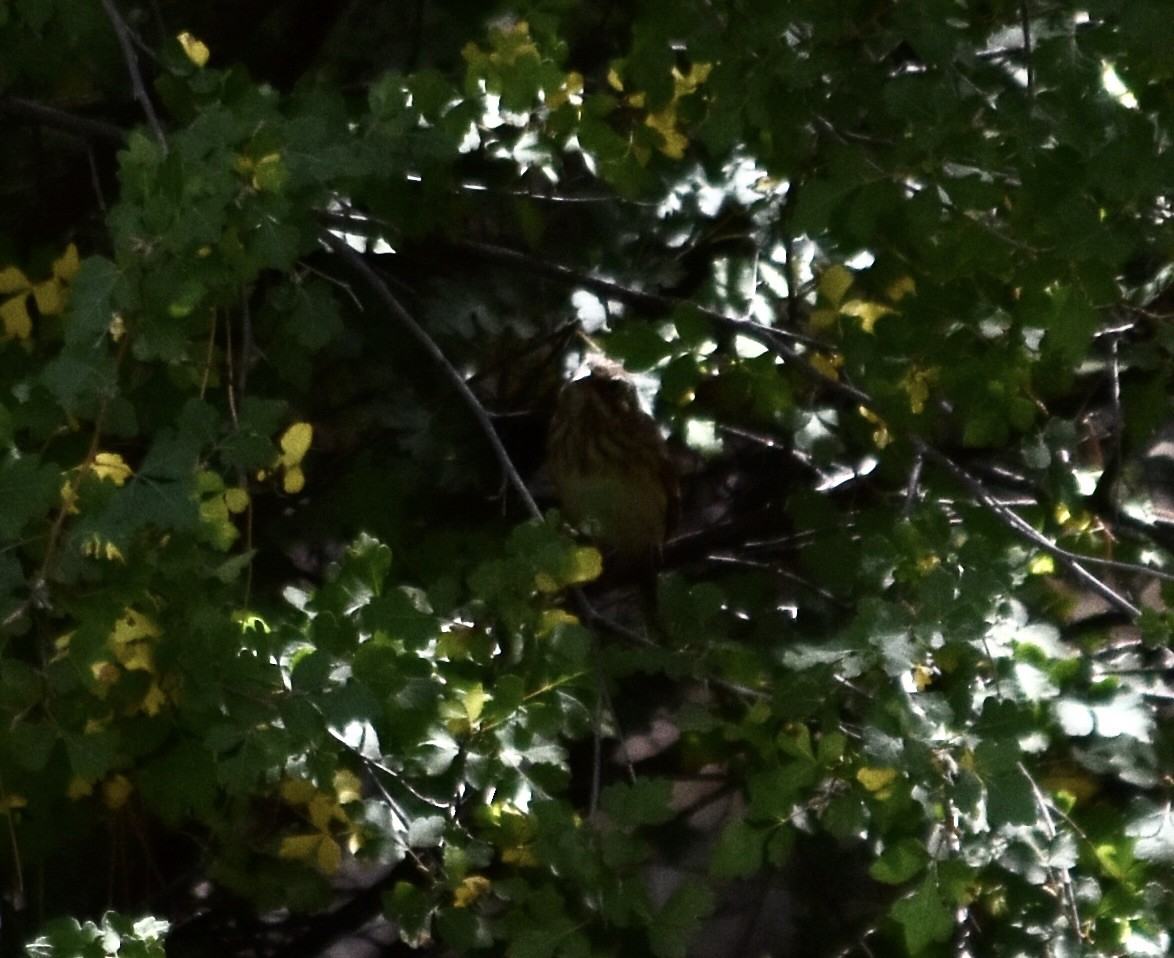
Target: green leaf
point(676, 924)
point(462, 929)
point(899, 862)
point(646, 801)
point(92, 756)
point(738, 851)
point(411, 909)
point(91, 310)
point(925, 917)
point(1010, 799)
point(28, 488)
point(79, 378)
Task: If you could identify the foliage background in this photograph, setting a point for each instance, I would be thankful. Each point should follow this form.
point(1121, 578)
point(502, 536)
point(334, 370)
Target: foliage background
point(284, 648)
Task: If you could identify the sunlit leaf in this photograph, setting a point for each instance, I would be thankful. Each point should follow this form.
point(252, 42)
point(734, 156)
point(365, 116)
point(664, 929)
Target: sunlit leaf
point(194, 49)
point(111, 466)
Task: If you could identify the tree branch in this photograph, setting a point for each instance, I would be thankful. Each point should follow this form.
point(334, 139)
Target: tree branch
point(125, 41)
point(61, 120)
point(639, 299)
point(784, 343)
point(1019, 525)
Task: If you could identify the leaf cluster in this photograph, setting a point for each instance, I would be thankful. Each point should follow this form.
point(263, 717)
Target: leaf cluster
point(292, 632)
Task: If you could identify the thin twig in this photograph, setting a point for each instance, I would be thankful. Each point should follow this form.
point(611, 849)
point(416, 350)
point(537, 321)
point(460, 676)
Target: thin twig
point(639, 299)
point(95, 179)
point(17, 888)
point(61, 120)
point(378, 286)
point(1014, 521)
point(126, 42)
point(1062, 872)
point(913, 486)
point(246, 347)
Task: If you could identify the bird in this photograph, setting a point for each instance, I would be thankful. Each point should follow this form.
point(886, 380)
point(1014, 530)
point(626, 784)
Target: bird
point(610, 465)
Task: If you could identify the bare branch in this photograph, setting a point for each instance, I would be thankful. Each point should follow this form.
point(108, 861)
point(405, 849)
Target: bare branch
point(1072, 562)
point(126, 42)
point(1062, 874)
point(639, 299)
point(61, 120)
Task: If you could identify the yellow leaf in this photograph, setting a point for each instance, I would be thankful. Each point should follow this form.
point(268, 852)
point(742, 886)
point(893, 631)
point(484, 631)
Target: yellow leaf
point(50, 296)
point(66, 265)
point(61, 646)
point(14, 314)
point(105, 674)
point(329, 855)
point(322, 809)
point(474, 703)
point(294, 480)
point(513, 43)
point(835, 283)
point(923, 676)
point(137, 657)
point(115, 791)
point(236, 499)
point(916, 383)
point(881, 436)
point(195, 49)
point(614, 80)
point(69, 498)
point(79, 788)
point(133, 626)
point(901, 288)
point(299, 847)
point(876, 780)
point(868, 313)
point(686, 83)
point(521, 855)
point(295, 443)
point(828, 365)
point(297, 791)
point(469, 890)
point(12, 280)
point(347, 786)
point(129, 640)
point(588, 565)
point(551, 619)
point(153, 701)
point(821, 320)
point(665, 123)
point(117, 328)
point(1042, 564)
point(110, 465)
